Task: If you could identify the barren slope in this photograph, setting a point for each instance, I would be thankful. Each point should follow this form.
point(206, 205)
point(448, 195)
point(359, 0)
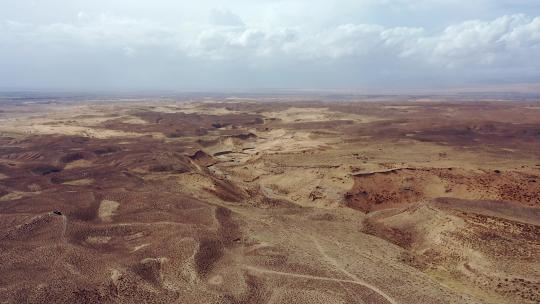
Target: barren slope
point(284, 202)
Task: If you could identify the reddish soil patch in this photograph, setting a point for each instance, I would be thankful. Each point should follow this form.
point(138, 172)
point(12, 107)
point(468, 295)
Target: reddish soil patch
point(387, 189)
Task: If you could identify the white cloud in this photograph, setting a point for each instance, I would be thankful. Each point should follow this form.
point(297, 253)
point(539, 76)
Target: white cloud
point(222, 17)
point(508, 42)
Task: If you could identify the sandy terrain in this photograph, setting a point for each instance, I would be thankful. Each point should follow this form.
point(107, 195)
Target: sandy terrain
point(248, 201)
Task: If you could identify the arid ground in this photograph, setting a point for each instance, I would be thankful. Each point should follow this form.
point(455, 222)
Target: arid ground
point(270, 200)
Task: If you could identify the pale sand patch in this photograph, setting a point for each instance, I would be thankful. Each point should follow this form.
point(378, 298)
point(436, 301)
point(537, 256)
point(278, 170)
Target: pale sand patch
point(281, 141)
point(134, 236)
point(107, 209)
point(300, 114)
point(115, 276)
point(167, 109)
point(192, 183)
point(98, 239)
point(80, 182)
point(317, 115)
point(320, 187)
point(134, 120)
point(190, 108)
point(67, 130)
point(12, 196)
point(84, 118)
point(3, 176)
point(161, 260)
point(81, 163)
point(216, 280)
point(137, 248)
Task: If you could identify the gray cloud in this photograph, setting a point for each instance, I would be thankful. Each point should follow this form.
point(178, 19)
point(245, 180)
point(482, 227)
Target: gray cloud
point(230, 49)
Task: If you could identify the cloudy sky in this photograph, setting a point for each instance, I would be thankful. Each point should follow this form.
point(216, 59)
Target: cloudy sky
point(256, 44)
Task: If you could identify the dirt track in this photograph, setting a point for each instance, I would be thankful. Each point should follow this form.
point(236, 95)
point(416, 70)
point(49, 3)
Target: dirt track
point(334, 262)
point(303, 276)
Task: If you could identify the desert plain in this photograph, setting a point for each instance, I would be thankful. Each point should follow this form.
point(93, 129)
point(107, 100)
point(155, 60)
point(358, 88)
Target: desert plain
point(270, 199)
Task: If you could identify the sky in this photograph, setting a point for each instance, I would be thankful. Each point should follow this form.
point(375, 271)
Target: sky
point(267, 44)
